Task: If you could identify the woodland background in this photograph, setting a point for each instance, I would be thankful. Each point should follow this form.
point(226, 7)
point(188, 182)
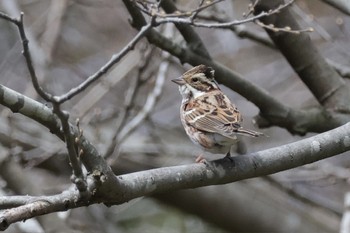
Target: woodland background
point(70, 40)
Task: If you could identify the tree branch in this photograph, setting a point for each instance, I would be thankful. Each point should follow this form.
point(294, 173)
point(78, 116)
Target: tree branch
point(325, 84)
point(34, 110)
point(194, 42)
point(272, 111)
point(221, 171)
point(106, 67)
point(177, 18)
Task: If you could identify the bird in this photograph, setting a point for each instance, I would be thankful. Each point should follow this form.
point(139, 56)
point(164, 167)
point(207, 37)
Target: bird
point(209, 118)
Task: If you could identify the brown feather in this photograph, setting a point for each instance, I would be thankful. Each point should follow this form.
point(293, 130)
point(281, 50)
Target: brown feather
point(208, 116)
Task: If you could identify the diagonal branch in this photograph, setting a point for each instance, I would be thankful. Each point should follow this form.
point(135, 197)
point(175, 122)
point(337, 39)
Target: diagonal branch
point(78, 176)
point(167, 179)
point(322, 80)
point(106, 67)
point(272, 111)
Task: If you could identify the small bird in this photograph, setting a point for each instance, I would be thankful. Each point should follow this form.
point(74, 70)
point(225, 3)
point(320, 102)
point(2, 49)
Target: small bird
point(207, 115)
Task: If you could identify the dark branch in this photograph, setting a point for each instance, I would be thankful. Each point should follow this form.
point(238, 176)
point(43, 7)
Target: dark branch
point(322, 80)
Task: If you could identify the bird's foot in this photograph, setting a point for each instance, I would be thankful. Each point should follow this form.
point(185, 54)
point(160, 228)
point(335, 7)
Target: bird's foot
point(228, 156)
point(201, 159)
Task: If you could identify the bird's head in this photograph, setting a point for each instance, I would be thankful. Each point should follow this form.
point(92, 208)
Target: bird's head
point(197, 81)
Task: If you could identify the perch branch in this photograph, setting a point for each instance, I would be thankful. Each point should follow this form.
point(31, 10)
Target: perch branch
point(166, 179)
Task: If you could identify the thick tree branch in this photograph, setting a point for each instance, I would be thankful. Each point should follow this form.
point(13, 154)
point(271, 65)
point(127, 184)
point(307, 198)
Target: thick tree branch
point(32, 109)
point(112, 189)
point(325, 84)
point(241, 167)
point(165, 179)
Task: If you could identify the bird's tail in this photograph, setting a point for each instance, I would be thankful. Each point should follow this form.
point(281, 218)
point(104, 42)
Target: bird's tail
point(249, 132)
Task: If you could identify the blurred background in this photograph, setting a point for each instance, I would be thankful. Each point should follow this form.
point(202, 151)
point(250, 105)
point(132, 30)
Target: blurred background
point(71, 40)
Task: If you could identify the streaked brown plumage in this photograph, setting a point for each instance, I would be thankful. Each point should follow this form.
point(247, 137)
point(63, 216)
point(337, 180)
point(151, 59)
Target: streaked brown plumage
point(207, 115)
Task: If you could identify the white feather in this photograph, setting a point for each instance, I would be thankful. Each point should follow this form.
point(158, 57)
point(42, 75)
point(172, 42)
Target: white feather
point(196, 93)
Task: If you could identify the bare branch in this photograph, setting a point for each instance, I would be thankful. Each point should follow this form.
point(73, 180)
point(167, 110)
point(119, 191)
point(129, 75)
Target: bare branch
point(242, 31)
point(224, 25)
point(26, 53)
point(272, 111)
point(8, 18)
point(251, 9)
point(36, 206)
point(221, 171)
point(273, 28)
point(74, 91)
point(189, 17)
point(328, 88)
point(193, 40)
point(17, 102)
point(106, 67)
point(78, 176)
point(153, 10)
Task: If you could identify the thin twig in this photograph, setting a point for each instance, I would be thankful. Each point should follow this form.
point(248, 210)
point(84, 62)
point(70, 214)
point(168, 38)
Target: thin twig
point(251, 9)
point(285, 29)
point(8, 18)
point(202, 7)
point(189, 21)
point(193, 40)
point(26, 53)
point(78, 176)
point(242, 31)
point(106, 67)
point(190, 14)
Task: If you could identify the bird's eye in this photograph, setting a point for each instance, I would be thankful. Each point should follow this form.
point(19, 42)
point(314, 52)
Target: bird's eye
point(194, 79)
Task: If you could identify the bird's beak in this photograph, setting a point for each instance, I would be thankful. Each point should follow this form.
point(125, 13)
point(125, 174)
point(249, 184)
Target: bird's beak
point(179, 81)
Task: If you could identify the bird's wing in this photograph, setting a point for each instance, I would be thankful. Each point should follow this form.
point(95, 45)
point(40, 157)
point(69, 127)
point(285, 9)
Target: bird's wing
point(213, 112)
